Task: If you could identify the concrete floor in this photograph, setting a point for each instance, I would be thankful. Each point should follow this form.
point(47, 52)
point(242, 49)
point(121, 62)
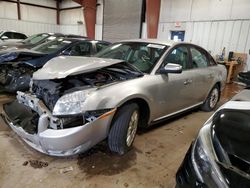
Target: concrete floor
point(153, 162)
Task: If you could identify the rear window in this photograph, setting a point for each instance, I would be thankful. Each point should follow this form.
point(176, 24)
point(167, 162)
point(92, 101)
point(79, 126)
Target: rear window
point(19, 36)
point(52, 46)
point(34, 39)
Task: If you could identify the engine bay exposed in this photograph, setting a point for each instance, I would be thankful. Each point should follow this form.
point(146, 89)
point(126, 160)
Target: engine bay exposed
point(15, 77)
point(51, 90)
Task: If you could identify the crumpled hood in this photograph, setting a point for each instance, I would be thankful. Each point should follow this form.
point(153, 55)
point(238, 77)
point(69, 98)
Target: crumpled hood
point(63, 66)
point(11, 55)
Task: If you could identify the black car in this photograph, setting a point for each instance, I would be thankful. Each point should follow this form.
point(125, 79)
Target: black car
point(244, 77)
point(220, 156)
point(35, 40)
point(17, 66)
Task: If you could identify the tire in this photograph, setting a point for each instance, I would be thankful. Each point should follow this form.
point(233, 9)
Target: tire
point(125, 124)
point(212, 99)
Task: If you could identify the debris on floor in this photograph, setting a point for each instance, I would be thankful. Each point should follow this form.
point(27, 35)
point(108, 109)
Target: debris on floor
point(65, 170)
point(36, 163)
point(25, 163)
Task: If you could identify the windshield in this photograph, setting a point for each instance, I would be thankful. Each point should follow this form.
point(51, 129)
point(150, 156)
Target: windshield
point(52, 46)
point(143, 56)
point(33, 39)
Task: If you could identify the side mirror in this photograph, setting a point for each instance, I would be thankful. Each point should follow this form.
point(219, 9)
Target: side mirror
point(171, 68)
point(4, 38)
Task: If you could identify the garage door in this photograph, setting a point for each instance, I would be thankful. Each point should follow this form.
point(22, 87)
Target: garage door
point(121, 20)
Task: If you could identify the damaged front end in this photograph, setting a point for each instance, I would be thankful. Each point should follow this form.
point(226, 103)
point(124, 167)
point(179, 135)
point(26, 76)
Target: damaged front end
point(16, 69)
point(15, 77)
point(53, 117)
point(55, 135)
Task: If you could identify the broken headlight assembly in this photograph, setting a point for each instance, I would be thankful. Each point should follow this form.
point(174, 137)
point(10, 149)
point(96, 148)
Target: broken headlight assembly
point(71, 104)
point(204, 160)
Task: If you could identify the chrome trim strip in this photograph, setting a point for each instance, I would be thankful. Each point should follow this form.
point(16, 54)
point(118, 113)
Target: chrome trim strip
point(174, 113)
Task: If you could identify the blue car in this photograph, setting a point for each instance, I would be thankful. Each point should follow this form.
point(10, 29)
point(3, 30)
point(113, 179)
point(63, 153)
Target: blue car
point(17, 66)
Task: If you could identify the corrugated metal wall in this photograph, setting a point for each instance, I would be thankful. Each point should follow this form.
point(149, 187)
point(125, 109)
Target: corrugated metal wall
point(214, 35)
point(121, 19)
point(27, 27)
point(213, 24)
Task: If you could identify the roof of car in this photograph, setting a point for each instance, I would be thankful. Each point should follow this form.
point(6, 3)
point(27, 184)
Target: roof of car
point(12, 31)
point(74, 36)
point(84, 39)
point(156, 41)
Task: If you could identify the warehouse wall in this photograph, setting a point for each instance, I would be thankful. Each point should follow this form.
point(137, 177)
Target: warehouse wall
point(27, 27)
point(69, 18)
point(33, 19)
point(213, 24)
point(37, 20)
point(37, 14)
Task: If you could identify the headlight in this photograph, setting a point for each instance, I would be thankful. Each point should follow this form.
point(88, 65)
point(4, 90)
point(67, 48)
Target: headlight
point(71, 104)
point(204, 160)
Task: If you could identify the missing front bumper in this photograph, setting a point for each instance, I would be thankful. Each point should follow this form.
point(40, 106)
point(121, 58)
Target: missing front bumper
point(56, 142)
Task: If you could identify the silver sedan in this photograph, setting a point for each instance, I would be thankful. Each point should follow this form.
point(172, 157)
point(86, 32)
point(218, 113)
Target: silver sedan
point(76, 102)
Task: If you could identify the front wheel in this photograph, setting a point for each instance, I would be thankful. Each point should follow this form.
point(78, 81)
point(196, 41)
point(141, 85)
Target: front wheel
point(211, 100)
point(123, 130)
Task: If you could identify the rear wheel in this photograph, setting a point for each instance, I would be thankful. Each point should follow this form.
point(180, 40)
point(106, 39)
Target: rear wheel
point(211, 100)
point(123, 130)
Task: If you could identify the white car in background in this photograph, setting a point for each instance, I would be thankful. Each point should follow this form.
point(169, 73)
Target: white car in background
point(11, 36)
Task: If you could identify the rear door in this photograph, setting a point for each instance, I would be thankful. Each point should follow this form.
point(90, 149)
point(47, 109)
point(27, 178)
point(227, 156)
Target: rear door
point(203, 73)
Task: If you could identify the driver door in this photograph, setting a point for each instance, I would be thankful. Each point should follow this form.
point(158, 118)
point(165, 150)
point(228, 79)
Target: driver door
point(176, 90)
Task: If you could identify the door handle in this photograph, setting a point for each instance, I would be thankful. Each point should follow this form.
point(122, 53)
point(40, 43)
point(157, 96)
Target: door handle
point(188, 81)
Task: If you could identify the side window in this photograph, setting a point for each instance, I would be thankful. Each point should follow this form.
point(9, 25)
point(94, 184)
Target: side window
point(211, 60)
point(19, 36)
point(8, 34)
point(101, 46)
point(199, 59)
point(81, 49)
point(178, 56)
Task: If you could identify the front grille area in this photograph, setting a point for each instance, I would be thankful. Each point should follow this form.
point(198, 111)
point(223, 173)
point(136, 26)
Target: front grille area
point(22, 116)
point(47, 91)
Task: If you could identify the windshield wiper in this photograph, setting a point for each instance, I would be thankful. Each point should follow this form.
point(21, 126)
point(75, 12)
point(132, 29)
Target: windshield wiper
point(133, 67)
